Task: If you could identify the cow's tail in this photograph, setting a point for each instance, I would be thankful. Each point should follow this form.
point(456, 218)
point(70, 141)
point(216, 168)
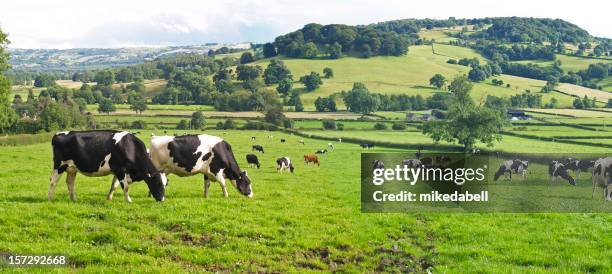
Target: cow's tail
point(499, 173)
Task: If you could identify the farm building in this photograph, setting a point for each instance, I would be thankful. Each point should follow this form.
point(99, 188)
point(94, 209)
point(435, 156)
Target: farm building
point(514, 114)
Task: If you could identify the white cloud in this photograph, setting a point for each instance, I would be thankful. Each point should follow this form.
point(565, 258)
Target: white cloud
point(73, 23)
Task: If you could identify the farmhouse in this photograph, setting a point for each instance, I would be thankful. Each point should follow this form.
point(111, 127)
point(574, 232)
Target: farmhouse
point(514, 114)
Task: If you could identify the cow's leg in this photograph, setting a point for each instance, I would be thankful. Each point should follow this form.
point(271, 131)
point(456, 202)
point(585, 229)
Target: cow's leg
point(221, 181)
point(70, 178)
point(124, 181)
point(114, 185)
point(206, 185)
point(594, 180)
point(55, 175)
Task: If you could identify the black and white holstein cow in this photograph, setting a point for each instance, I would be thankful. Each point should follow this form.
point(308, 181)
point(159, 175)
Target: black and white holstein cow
point(189, 155)
point(103, 152)
point(284, 163)
point(257, 148)
point(512, 166)
point(252, 160)
point(580, 166)
point(602, 176)
point(556, 170)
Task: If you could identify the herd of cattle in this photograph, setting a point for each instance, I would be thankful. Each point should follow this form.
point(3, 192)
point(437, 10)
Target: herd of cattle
point(120, 153)
point(601, 169)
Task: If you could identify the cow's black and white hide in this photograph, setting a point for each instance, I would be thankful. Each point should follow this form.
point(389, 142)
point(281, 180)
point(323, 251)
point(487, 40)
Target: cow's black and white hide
point(515, 166)
point(557, 170)
point(257, 148)
point(284, 163)
point(602, 177)
point(411, 163)
point(579, 166)
point(330, 146)
point(189, 155)
point(321, 151)
point(366, 146)
point(378, 164)
point(283, 140)
point(252, 160)
point(103, 152)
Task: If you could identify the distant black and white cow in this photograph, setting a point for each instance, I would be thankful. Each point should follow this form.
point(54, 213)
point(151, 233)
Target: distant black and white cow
point(602, 176)
point(330, 146)
point(252, 160)
point(378, 164)
point(284, 163)
point(366, 146)
point(283, 140)
point(557, 170)
point(104, 152)
point(512, 166)
point(321, 151)
point(302, 141)
point(189, 155)
point(257, 148)
point(253, 138)
point(580, 166)
point(411, 163)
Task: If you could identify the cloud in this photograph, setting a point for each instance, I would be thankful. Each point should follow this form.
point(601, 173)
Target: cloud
point(114, 23)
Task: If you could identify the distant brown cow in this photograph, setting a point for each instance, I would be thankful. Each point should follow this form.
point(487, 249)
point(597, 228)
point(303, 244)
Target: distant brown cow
point(311, 158)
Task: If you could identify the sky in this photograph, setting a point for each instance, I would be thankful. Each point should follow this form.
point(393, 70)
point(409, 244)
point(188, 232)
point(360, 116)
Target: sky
point(128, 23)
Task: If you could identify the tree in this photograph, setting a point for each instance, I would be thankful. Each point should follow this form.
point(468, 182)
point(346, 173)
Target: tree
point(274, 115)
point(312, 81)
point(328, 73)
point(284, 86)
point(248, 73)
point(275, 72)
point(183, 124)
point(578, 104)
point(106, 106)
point(269, 50)
point(477, 75)
point(197, 120)
point(360, 100)
point(609, 105)
point(7, 114)
point(137, 103)
point(310, 50)
point(329, 124)
point(124, 75)
point(44, 80)
point(437, 81)
point(246, 57)
point(105, 77)
point(334, 51)
point(380, 126)
point(467, 123)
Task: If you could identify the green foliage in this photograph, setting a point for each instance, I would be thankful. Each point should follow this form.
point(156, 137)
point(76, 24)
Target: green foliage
point(137, 102)
point(312, 81)
point(197, 120)
point(328, 73)
point(334, 51)
point(327, 104)
point(466, 122)
point(274, 115)
point(269, 50)
point(398, 126)
point(105, 77)
point(526, 100)
point(329, 124)
point(438, 81)
point(295, 101)
point(284, 86)
point(276, 72)
point(183, 124)
point(380, 126)
point(138, 124)
point(7, 115)
point(246, 57)
point(44, 80)
point(248, 73)
point(106, 106)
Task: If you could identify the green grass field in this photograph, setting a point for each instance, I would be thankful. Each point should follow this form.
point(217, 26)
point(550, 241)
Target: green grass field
point(568, 63)
point(303, 222)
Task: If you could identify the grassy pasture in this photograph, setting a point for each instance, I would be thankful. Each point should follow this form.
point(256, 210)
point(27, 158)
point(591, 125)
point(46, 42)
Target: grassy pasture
point(578, 113)
point(580, 91)
point(568, 63)
point(309, 221)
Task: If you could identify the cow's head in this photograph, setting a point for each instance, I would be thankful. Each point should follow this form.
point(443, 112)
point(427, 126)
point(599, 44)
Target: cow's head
point(243, 184)
point(157, 183)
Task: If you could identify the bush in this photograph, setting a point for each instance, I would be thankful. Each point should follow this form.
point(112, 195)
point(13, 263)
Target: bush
point(380, 126)
point(219, 125)
point(452, 61)
point(340, 126)
point(229, 124)
point(398, 126)
point(329, 124)
point(139, 124)
point(183, 124)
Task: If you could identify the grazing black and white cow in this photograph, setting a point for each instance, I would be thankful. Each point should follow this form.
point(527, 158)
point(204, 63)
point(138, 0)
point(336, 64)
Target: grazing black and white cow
point(602, 174)
point(104, 152)
point(557, 170)
point(253, 138)
point(283, 140)
point(212, 156)
point(302, 141)
point(321, 151)
point(257, 148)
point(339, 140)
point(411, 163)
point(512, 166)
point(284, 163)
point(580, 166)
point(252, 160)
point(378, 164)
point(366, 146)
point(330, 146)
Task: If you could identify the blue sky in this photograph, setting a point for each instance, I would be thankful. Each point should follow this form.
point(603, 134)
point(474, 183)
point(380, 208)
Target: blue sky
point(123, 23)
